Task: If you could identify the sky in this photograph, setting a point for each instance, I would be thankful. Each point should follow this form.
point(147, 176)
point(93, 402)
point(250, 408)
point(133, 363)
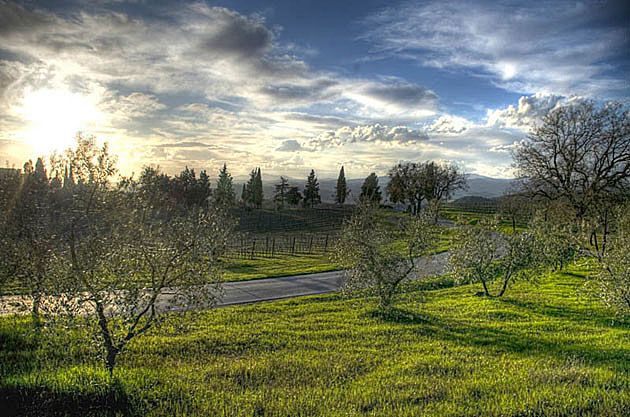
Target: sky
point(291, 86)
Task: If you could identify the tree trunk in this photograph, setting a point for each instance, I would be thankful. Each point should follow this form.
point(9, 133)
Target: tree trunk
point(485, 288)
point(505, 284)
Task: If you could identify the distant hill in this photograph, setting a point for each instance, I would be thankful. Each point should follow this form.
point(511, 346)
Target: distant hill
point(478, 185)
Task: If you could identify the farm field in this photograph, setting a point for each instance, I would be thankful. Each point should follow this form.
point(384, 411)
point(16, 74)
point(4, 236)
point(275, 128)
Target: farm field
point(544, 350)
point(318, 227)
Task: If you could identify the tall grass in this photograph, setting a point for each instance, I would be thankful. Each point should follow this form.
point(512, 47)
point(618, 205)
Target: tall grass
point(541, 351)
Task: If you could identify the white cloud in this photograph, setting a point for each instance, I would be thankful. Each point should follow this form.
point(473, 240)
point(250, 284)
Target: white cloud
point(376, 133)
point(449, 125)
point(560, 47)
point(529, 111)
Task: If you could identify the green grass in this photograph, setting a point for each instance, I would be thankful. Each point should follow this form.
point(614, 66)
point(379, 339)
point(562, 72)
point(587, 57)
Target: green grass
point(540, 351)
point(286, 265)
point(283, 265)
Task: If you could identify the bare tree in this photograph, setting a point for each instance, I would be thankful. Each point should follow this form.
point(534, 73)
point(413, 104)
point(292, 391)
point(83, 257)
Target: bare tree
point(580, 154)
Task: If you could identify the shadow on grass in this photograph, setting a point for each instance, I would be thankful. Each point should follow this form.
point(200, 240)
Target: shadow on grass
point(29, 400)
point(503, 339)
point(401, 316)
point(566, 313)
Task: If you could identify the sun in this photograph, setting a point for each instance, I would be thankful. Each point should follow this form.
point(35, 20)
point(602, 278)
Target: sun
point(53, 117)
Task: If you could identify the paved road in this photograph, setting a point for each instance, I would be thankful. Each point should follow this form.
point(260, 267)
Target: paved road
point(255, 291)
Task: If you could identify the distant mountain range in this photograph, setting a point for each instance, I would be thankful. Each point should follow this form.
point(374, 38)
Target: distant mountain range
point(478, 185)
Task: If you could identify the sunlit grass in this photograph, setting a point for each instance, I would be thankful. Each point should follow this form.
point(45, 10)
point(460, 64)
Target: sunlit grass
point(544, 350)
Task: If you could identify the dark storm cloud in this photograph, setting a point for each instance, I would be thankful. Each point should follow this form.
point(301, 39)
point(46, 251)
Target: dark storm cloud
point(15, 19)
point(317, 90)
point(237, 35)
point(330, 121)
point(403, 94)
point(290, 145)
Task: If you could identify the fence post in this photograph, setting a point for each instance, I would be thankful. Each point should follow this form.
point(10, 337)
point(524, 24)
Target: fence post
point(293, 246)
point(326, 244)
point(273, 247)
point(253, 248)
point(310, 246)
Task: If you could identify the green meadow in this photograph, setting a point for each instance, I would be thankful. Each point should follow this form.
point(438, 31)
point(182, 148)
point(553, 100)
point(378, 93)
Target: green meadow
point(542, 350)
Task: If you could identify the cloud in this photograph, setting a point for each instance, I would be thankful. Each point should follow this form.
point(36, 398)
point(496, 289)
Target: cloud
point(376, 133)
point(391, 97)
point(529, 111)
point(290, 145)
point(308, 91)
point(560, 47)
point(449, 125)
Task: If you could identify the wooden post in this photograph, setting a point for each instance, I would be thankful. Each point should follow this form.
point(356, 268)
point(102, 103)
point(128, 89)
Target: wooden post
point(253, 248)
point(273, 248)
point(293, 246)
point(310, 246)
point(326, 244)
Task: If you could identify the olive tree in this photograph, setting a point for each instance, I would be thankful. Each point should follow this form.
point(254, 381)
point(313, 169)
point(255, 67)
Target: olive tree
point(612, 282)
point(482, 254)
point(29, 229)
point(127, 256)
point(373, 264)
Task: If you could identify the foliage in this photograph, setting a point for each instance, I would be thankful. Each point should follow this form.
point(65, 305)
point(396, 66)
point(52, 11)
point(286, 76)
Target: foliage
point(514, 207)
point(341, 190)
point(224, 195)
point(311, 191)
point(111, 253)
point(554, 231)
point(294, 196)
point(188, 190)
point(281, 192)
point(612, 283)
point(370, 190)
point(29, 226)
point(481, 253)
point(257, 190)
point(371, 261)
point(412, 183)
point(252, 191)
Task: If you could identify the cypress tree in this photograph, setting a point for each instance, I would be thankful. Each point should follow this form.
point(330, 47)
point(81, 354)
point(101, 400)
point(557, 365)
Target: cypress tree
point(311, 191)
point(224, 195)
point(370, 191)
point(257, 189)
point(341, 188)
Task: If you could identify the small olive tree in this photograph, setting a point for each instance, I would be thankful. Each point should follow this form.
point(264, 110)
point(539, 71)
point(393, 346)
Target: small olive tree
point(481, 254)
point(612, 283)
point(127, 256)
point(374, 264)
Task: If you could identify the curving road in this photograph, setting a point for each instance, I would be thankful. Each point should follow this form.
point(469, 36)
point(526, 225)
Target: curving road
point(256, 291)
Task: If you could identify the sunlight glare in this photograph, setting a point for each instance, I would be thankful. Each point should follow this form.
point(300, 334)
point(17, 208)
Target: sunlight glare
point(54, 117)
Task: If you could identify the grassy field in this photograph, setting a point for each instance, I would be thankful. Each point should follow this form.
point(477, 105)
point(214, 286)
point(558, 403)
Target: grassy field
point(285, 265)
point(540, 351)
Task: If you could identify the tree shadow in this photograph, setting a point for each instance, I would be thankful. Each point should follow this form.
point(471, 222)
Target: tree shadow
point(401, 316)
point(505, 340)
point(33, 400)
point(566, 313)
